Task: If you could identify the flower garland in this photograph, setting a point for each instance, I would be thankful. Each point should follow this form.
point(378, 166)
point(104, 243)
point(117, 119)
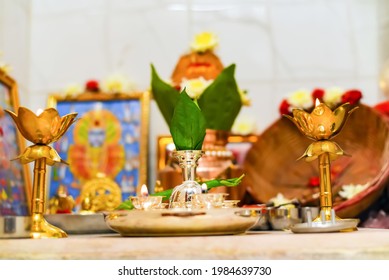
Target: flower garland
point(115, 83)
point(304, 99)
point(195, 88)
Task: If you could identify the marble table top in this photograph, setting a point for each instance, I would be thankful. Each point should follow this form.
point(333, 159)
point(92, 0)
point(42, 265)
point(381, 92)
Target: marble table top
point(272, 245)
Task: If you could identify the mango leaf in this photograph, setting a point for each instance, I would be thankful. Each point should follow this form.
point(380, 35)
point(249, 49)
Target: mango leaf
point(125, 205)
point(220, 102)
point(164, 95)
point(187, 126)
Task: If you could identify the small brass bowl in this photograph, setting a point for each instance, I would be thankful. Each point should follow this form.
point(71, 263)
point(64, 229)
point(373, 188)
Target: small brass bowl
point(146, 202)
point(209, 200)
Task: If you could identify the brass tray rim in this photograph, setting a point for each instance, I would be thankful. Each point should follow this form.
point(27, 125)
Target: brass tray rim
point(171, 230)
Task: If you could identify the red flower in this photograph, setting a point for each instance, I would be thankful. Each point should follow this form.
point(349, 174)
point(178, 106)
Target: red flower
point(383, 107)
point(92, 85)
point(314, 182)
point(352, 96)
point(284, 107)
point(66, 211)
point(318, 93)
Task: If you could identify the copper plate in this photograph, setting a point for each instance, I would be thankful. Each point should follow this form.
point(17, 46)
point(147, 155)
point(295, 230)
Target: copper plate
point(271, 167)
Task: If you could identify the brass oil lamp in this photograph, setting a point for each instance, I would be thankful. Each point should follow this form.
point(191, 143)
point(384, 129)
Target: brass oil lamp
point(321, 125)
point(41, 129)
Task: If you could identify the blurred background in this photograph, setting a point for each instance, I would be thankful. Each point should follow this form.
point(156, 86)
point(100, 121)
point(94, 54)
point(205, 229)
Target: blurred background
point(278, 46)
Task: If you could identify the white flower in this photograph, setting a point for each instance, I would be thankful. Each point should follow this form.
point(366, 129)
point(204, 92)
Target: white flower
point(333, 96)
point(117, 83)
point(244, 125)
point(5, 67)
point(195, 87)
point(243, 97)
point(300, 99)
point(73, 89)
point(204, 41)
point(280, 200)
point(349, 191)
point(169, 82)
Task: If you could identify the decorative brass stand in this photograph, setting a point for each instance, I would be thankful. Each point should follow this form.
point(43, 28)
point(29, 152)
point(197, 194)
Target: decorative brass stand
point(321, 125)
point(325, 185)
point(41, 129)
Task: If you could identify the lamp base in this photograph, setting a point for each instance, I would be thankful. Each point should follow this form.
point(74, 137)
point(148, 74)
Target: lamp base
point(40, 228)
point(327, 226)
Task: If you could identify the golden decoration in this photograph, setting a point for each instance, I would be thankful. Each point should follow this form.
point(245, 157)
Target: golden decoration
point(41, 129)
point(61, 202)
point(44, 128)
point(321, 125)
point(100, 194)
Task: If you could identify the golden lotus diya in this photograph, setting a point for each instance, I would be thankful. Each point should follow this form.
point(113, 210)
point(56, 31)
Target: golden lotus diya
point(42, 129)
point(321, 125)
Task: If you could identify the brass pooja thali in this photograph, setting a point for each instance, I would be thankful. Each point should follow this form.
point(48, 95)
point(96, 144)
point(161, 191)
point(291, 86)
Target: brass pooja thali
point(182, 222)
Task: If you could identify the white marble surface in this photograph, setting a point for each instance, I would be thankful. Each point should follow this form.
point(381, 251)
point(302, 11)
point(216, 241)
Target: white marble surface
point(364, 244)
point(278, 45)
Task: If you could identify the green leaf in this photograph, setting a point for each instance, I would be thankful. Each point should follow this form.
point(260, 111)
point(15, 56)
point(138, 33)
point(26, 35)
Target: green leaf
point(233, 182)
point(224, 182)
point(188, 124)
point(220, 102)
point(125, 205)
point(164, 95)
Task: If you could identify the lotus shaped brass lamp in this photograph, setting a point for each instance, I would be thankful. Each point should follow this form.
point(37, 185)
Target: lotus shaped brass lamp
point(321, 125)
point(41, 129)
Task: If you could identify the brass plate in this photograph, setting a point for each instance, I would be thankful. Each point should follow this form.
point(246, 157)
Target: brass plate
point(79, 223)
point(181, 222)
